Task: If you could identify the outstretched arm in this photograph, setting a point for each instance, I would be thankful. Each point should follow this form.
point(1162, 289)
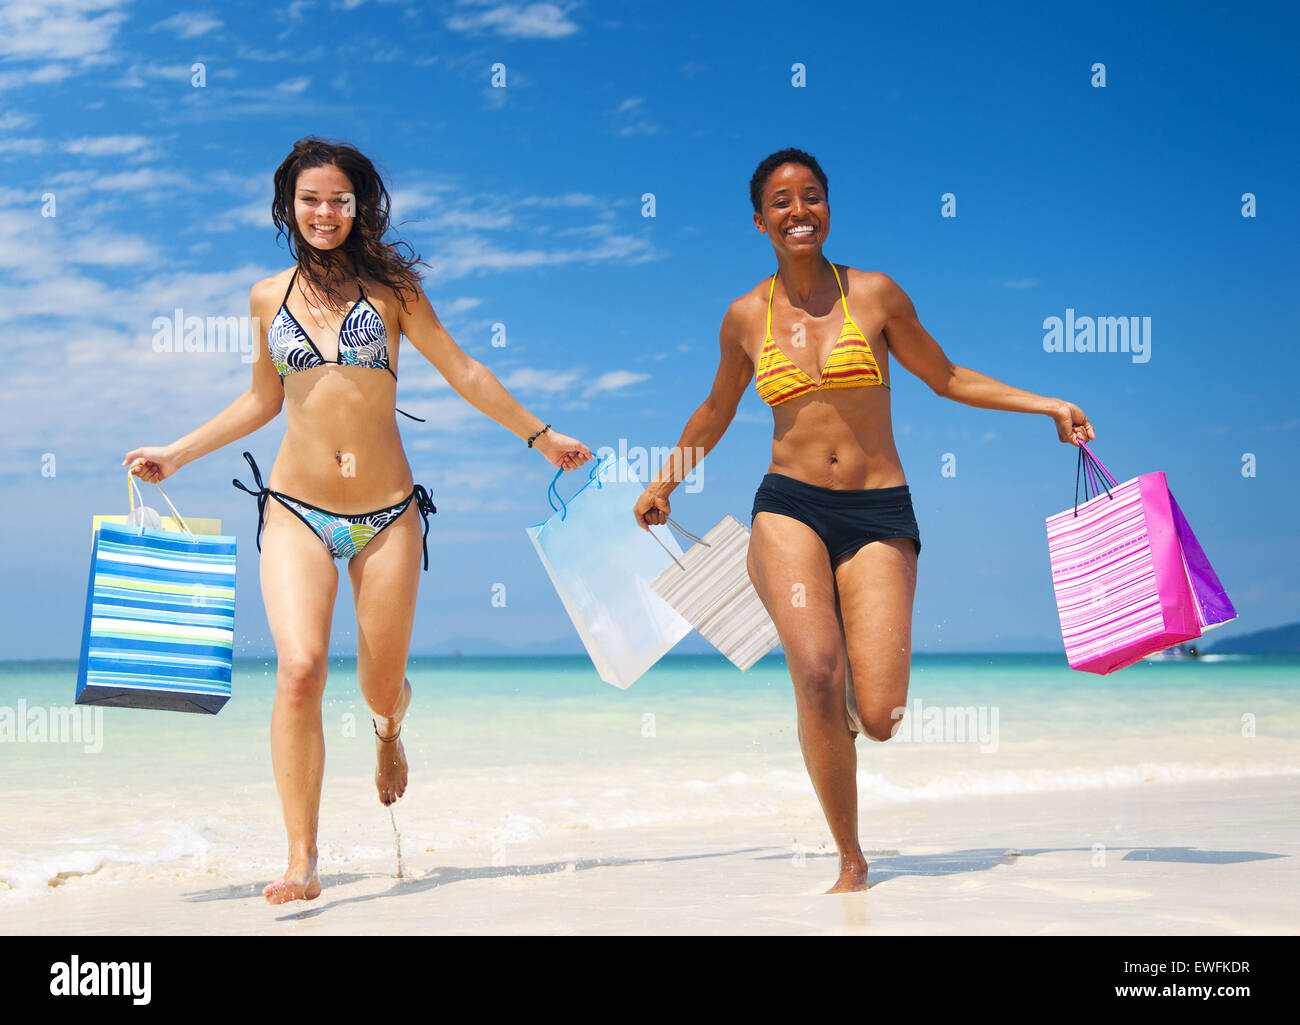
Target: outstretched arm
point(915, 350)
point(478, 386)
point(707, 424)
point(253, 409)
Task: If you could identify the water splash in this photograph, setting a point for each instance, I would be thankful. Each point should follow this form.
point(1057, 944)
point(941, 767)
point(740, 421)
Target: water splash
point(397, 839)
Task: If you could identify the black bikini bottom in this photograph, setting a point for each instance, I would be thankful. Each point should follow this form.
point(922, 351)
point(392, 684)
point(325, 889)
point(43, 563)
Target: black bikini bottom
point(845, 520)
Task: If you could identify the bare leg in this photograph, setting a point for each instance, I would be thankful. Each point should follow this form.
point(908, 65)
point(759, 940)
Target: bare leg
point(791, 571)
point(385, 581)
point(877, 586)
point(299, 584)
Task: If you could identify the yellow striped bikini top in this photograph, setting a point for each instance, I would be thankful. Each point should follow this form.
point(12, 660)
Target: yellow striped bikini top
point(851, 363)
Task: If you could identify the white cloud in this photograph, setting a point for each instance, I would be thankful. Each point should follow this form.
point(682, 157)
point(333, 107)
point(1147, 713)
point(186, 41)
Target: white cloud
point(1021, 283)
point(546, 381)
point(116, 251)
point(142, 181)
point(410, 200)
point(59, 29)
point(446, 413)
point(632, 118)
point(63, 293)
point(253, 214)
point(481, 219)
point(291, 56)
point(570, 199)
point(140, 72)
point(461, 255)
point(189, 24)
point(45, 75)
point(13, 119)
point(1283, 425)
point(98, 369)
point(516, 21)
point(25, 146)
point(59, 38)
point(294, 86)
point(107, 145)
point(613, 380)
point(458, 240)
point(461, 305)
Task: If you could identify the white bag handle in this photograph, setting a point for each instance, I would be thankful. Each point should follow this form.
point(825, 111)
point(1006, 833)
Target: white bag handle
point(682, 530)
point(133, 491)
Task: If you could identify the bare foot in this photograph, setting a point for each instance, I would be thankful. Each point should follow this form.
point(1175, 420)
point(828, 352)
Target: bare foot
point(390, 757)
point(299, 881)
point(390, 770)
point(853, 876)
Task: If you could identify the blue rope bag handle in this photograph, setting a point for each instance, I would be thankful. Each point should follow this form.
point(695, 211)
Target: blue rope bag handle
point(563, 509)
point(594, 476)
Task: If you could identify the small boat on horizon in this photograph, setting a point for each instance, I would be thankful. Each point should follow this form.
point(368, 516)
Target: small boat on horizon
point(1178, 653)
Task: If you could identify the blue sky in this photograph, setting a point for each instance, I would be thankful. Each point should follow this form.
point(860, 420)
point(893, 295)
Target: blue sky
point(527, 202)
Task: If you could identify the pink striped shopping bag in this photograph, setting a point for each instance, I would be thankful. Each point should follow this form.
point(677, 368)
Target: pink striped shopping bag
point(1129, 575)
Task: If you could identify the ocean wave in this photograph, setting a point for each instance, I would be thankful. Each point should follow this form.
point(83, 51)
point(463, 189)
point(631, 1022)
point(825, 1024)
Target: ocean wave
point(1031, 781)
point(496, 818)
point(46, 870)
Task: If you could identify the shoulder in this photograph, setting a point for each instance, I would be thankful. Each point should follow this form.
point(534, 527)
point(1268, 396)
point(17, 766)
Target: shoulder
point(406, 299)
point(748, 308)
point(877, 287)
point(270, 290)
point(873, 282)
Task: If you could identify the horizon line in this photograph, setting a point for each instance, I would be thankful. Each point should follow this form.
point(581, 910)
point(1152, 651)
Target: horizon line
point(582, 655)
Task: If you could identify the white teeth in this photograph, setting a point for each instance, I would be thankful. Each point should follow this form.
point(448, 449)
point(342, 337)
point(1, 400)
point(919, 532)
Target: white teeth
point(803, 229)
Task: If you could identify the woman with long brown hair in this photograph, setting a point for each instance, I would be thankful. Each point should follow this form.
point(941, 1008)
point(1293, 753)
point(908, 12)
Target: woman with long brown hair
point(341, 483)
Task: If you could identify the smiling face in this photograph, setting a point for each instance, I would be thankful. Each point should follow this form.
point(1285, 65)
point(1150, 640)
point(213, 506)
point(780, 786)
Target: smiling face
point(324, 206)
point(795, 214)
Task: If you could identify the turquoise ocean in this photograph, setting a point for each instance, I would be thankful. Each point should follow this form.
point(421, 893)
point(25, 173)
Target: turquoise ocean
point(508, 750)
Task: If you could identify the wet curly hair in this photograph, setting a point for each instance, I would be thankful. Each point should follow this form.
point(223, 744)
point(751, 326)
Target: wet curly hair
point(769, 164)
point(391, 263)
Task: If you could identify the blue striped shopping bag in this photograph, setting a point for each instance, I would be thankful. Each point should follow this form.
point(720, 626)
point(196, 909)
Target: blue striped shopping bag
point(160, 615)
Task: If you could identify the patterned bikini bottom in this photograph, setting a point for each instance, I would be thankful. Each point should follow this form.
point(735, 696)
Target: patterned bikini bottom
point(344, 535)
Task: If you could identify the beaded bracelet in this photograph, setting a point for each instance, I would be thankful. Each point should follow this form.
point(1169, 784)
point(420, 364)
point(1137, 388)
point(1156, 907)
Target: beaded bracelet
point(538, 435)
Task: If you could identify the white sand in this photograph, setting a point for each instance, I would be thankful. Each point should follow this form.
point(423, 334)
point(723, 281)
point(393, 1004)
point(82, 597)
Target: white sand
point(1199, 858)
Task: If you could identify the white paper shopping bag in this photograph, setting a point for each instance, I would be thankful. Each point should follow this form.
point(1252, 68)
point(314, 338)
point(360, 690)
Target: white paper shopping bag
point(709, 586)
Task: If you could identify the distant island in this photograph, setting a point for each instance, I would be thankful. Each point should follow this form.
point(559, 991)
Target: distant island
point(1280, 640)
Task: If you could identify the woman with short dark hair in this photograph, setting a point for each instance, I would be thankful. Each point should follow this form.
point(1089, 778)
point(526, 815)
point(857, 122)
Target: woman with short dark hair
point(834, 546)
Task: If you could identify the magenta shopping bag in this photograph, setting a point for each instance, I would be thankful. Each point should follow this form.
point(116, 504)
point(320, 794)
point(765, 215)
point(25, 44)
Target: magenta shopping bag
point(1129, 575)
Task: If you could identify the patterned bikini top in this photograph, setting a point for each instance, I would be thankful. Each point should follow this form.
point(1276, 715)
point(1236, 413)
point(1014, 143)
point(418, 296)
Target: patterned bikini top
point(363, 340)
point(851, 363)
